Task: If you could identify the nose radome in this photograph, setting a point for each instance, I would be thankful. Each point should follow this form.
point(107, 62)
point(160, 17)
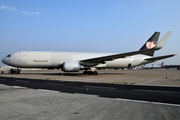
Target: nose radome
point(4, 60)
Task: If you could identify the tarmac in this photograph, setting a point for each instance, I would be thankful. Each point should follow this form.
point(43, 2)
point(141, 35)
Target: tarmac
point(159, 77)
point(35, 95)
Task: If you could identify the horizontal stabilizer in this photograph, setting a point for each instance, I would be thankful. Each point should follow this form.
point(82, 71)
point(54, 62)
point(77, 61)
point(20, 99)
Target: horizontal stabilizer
point(160, 57)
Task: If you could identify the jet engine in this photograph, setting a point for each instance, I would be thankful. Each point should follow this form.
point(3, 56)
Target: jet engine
point(71, 66)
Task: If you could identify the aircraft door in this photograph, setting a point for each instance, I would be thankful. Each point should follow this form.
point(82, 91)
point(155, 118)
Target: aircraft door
point(19, 57)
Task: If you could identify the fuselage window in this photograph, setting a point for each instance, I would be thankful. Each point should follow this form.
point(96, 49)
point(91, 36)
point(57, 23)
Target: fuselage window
point(9, 56)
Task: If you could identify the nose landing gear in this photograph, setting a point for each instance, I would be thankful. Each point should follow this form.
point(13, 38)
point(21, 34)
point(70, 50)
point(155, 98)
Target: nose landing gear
point(15, 71)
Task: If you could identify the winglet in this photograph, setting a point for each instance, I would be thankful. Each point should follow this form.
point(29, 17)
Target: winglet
point(163, 41)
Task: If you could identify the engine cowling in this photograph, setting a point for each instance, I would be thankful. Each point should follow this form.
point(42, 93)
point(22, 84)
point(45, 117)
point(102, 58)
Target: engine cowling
point(71, 66)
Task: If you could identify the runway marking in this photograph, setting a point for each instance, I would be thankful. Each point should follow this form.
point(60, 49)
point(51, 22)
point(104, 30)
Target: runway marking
point(21, 81)
point(54, 84)
point(175, 78)
point(48, 90)
point(155, 91)
point(141, 101)
point(148, 82)
point(99, 87)
point(2, 79)
point(127, 83)
point(3, 85)
point(86, 94)
point(48, 79)
point(18, 87)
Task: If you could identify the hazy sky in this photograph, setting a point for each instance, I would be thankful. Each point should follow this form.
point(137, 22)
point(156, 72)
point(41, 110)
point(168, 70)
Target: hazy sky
point(110, 26)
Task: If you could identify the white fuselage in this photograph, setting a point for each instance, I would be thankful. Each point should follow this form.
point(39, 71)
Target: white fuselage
point(41, 59)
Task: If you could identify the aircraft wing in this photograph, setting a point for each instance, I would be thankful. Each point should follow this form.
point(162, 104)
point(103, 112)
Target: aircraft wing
point(160, 57)
point(102, 59)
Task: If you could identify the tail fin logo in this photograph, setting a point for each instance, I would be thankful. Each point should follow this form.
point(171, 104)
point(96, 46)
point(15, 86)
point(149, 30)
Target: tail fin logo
point(150, 45)
point(162, 64)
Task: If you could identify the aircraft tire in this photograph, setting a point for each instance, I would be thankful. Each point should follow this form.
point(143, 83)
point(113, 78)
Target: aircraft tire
point(85, 72)
point(95, 73)
point(90, 72)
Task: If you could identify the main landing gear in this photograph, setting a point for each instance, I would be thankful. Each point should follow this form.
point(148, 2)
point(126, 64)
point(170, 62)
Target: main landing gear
point(91, 72)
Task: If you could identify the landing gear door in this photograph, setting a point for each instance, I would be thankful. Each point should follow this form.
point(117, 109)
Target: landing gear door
point(129, 65)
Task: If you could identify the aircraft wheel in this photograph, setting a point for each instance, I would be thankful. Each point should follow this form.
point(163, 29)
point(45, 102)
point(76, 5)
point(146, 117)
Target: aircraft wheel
point(95, 73)
point(90, 72)
point(85, 72)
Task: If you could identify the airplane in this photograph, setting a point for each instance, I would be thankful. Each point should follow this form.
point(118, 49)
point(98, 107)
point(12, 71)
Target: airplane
point(152, 66)
point(76, 61)
point(159, 65)
point(148, 67)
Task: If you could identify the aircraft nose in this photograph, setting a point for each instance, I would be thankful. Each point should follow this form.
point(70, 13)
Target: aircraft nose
point(4, 60)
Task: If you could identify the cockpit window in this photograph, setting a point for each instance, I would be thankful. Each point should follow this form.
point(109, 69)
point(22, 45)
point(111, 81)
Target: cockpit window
point(9, 56)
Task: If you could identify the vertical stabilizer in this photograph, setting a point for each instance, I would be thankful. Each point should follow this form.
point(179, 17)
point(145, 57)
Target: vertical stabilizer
point(162, 64)
point(151, 43)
